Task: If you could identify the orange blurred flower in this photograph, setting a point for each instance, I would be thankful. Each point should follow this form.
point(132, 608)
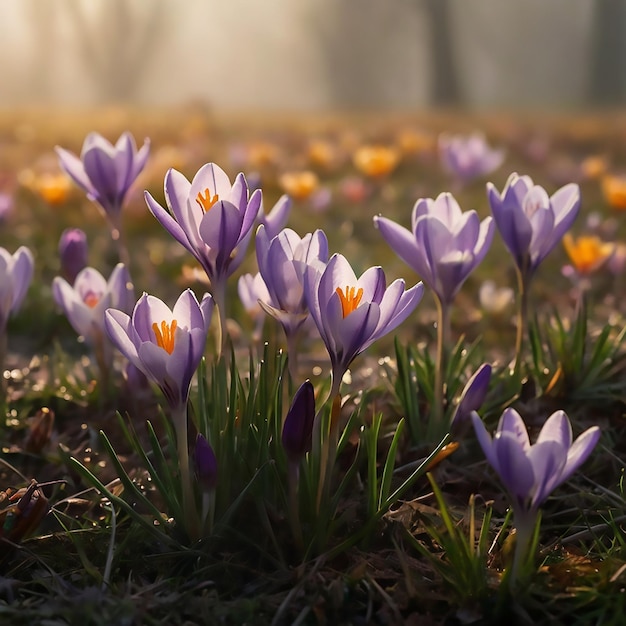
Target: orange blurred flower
point(594, 167)
point(53, 188)
point(587, 253)
point(299, 185)
point(614, 191)
point(411, 142)
point(376, 161)
point(262, 154)
point(322, 154)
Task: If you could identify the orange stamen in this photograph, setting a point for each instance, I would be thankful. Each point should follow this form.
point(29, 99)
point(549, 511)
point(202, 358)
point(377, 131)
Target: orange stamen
point(349, 299)
point(165, 335)
point(91, 300)
point(206, 201)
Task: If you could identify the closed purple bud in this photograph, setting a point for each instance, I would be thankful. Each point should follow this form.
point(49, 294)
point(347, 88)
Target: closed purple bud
point(205, 464)
point(72, 252)
point(472, 398)
point(298, 428)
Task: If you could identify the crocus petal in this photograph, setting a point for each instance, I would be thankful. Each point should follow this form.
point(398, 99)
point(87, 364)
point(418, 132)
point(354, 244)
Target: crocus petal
point(485, 440)
point(512, 422)
point(74, 168)
point(23, 269)
point(557, 428)
point(122, 334)
point(220, 229)
point(147, 311)
point(579, 452)
point(402, 242)
point(513, 465)
point(548, 459)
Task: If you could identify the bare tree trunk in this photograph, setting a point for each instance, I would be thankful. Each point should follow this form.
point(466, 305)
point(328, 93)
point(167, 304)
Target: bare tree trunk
point(445, 88)
point(116, 43)
point(608, 49)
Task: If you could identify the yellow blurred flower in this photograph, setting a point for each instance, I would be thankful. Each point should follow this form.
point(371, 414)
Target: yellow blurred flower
point(587, 253)
point(594, 167)
point(262, 154)
point(411, 142)
point(53, 188)
point(614, 191)
point(376, 161)
point(322, 153)
point(299, 185)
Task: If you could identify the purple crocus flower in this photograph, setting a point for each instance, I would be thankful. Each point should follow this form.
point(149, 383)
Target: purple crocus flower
point(531, 222)
point(85, 302)
point(205, 464)
point(106, 171)
point(472, 398)
point(351, 313)
point(276, 219)
point(444, 244)
point(7, 204)
point(213, 219)
point(468, 157)
point(165, 344)
point(531, 472)
point(283, 262)
point(72, 252)
point(251, 288)
point(16, 274)
point(297, 436)
point(210, 216)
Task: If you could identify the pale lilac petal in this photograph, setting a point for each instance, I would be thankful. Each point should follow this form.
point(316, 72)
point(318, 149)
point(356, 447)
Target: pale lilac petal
point(485, 441)
point(402, 242)
point(220, 229)
point(373, 283)
point(149, 310)
point(548, 459)
point(187, 312)
point(74, 168)
point(23, 269)
point(212, 177)
point(579, 452)
point(123, 336)
point(512, 422)
point(168, 222)
point(557, 428)
point(513, 465)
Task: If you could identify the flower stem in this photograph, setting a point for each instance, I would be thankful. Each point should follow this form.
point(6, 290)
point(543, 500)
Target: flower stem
point(218, 292)
point(292, 355)
point(179, 416)
point(293, 474)
point(522, 322)
point(524, 530)
point(328, 439)
point(443, 335)
point(117, 234)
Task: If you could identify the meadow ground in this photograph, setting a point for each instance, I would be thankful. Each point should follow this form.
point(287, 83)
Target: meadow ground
point(437, 552)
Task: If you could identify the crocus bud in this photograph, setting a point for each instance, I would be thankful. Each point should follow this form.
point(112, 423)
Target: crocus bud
point(73, 252)
point(206, 464)
point(298, 426)
point(472, 397)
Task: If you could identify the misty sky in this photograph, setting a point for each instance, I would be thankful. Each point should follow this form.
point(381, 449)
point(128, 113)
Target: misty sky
point(286, 54)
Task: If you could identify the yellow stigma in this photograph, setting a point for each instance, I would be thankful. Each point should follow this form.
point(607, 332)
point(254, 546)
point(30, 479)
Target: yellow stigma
point(349, 299)
point(165, 335)
point(91, 300)
point(206, 201)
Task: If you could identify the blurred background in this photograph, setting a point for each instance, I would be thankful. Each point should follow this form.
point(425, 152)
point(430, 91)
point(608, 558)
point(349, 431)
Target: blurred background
point(314, 55)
